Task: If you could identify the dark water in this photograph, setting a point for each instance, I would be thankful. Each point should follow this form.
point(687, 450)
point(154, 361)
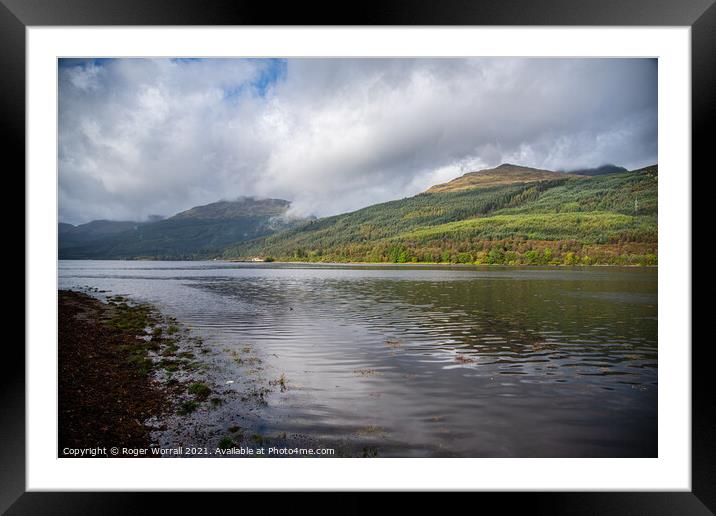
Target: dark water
point(421, 361)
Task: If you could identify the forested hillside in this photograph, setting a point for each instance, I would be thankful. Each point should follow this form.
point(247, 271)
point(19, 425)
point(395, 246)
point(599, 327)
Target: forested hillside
point(605, 219)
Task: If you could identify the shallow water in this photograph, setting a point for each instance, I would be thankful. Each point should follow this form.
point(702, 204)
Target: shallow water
point(425, 361)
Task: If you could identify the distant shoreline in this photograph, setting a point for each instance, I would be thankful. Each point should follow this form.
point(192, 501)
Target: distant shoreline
point(379, 264)
point(433, 264)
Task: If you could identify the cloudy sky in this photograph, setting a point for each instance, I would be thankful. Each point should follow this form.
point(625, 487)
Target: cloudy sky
point(140, 137)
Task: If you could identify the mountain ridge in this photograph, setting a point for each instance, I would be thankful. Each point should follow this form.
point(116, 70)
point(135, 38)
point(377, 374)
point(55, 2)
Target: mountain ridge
point(567, 219)
point(200, 231)
point(599, 171)
point(240, 207)
point(509, 214)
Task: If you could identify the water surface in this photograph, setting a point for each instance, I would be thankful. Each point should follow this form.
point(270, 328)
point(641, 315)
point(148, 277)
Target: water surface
point(423, 361)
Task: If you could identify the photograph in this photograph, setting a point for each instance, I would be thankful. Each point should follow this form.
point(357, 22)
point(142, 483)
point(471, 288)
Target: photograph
point(357, 257)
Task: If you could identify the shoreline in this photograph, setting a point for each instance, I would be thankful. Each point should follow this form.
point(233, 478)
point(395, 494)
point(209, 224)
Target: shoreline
point(125, 369)
point(134, 380)
point(104, 388)
point(382, 264)
point(432, 264)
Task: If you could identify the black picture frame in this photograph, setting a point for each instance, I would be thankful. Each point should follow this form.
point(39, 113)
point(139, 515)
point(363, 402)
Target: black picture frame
point(16, 15)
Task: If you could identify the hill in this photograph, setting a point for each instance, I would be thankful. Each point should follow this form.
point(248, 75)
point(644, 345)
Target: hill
point(91, 234)
point(599, 171)
point(200, 232)
point(544, 218)
point(505, 174)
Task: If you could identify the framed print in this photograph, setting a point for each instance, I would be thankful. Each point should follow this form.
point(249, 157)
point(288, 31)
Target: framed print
point(428, 248)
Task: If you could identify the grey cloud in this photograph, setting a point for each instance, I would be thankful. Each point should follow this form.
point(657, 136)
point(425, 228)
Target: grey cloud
point(140, 137)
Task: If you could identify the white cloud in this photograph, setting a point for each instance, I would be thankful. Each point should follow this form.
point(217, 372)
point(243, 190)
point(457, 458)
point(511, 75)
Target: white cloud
point(141, 137)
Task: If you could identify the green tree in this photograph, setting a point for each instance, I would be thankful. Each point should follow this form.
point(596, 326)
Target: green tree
point(570, 259)
point(464, 258)
point(531, 257)
point(496, 255)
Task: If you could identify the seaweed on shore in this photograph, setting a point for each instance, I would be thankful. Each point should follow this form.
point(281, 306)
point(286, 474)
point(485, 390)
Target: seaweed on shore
point(121, 365)
point(106, 390)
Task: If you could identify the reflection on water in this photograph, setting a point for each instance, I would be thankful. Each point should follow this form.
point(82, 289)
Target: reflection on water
point(421, 361)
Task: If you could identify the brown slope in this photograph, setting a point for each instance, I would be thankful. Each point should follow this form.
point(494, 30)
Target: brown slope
point(503, 175)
